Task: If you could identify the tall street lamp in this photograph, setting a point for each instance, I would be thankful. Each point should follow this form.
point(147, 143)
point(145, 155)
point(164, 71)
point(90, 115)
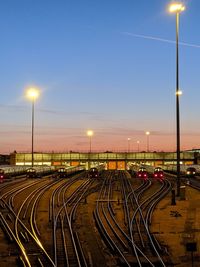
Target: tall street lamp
point(138, 146)
point(90, 133)
point(129, 139)
point(147, 134)
point(177, 8)
point(32, 94)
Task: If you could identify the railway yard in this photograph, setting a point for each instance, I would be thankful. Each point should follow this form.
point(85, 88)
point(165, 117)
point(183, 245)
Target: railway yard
point(115, 219)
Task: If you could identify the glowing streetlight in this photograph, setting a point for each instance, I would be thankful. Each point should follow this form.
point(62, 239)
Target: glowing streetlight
point(32, 94)
point(177, 8)
point(129, 139)
point(147, 134)
point(138, 146)
point(90, 133)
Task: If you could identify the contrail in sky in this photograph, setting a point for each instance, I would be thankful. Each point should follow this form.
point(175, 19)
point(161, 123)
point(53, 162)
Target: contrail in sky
point(159, 39)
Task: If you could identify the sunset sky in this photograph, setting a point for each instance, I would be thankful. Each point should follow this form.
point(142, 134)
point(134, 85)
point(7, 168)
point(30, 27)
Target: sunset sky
point(105, 65)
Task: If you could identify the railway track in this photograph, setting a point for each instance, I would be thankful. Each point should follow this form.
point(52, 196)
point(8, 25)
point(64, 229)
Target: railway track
point(67, 249)
point(131, 241)
point(41, 219)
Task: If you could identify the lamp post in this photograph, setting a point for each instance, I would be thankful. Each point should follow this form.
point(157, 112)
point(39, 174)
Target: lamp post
point(177, 8)
point(90, 133)
point(138, 146)
point(129, 139)
point(147, 134)
point(32, 94)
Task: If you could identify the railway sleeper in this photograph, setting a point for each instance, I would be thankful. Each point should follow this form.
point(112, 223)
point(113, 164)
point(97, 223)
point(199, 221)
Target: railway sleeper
point(27, 237)
point(154, 253)
point(122, 263)
point(105, 237)
point(6, 231)
point(23, 235)
point(2, 205)
point(80, 251)
point(39, 263)
point(160, 248)
point(8, 216)
point(111, 209)
point(20, 262)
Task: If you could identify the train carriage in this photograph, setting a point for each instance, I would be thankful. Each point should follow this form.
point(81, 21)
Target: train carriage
point(142, 173)
point(158, 173)
point(64, 172)
point(2, 175)
point(93, 173)
point(190, 172)
point(39, 171)
point(31, 173)
point(61, 173)
point(185, 170)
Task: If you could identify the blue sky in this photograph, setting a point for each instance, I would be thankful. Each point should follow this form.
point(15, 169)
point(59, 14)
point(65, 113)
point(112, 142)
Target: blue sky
point(102, 65)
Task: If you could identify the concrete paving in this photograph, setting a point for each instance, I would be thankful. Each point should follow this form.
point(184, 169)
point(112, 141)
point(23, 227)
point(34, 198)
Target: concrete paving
point(178, 227)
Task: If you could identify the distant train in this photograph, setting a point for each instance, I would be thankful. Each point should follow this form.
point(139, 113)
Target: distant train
point(96, 171)
point(8, 171)
point(190, 172)
point(2, 175)
point(187, 171)
point(147, 171)
point(13, 170)
point(93, 173)
point(31, 173)
point(158, 173)
point(64, 172)
point(39, 171)
point(61, 173)
point(142, 173)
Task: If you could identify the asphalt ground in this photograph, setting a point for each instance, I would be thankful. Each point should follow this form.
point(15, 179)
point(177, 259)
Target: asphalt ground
point(177, 227)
